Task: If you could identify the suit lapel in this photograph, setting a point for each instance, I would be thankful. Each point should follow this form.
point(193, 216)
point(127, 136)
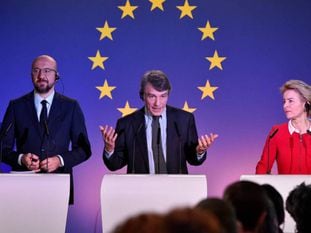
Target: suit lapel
point(169, 135)
point(55, 112)
point(30, 103)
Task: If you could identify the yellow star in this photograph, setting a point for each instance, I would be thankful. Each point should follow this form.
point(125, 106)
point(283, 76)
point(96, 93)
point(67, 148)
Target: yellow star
point(105, 90)
point(127, 109)
point(186, 9)
point(98, 60)
point(157, 4)
point(208, 31)
point(215, 60)
point(106, 31)
point(208, 90)
point(127, 9)
point(186, 108)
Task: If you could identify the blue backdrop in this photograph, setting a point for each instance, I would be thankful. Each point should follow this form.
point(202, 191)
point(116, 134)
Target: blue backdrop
point(229, 76)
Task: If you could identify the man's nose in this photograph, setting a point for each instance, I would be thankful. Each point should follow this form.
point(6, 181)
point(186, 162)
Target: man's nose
point(157, 101)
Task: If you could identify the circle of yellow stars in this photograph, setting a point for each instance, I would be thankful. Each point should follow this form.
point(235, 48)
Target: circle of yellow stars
point(186, 10)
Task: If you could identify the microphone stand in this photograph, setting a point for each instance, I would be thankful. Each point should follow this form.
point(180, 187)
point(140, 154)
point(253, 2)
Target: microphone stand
point(134, 146)
point(44, 151)
point(179, 146)
point(270, 137)
point(2, 136)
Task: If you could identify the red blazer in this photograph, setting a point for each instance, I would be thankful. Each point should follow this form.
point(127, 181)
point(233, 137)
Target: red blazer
point(292, 153)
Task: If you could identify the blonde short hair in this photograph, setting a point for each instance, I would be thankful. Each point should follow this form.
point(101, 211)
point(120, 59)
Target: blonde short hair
point(302, 88)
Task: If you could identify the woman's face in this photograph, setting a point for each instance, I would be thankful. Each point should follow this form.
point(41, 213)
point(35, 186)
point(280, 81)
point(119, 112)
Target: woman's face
point(293, 105)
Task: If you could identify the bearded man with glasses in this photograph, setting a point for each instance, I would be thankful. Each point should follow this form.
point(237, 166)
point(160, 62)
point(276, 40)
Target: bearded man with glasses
point(48, 128)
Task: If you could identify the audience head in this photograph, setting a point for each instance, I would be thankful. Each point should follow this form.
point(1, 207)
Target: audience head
point(223, 211)
point(187, 220)
point(298, 205)
point(250, 202)
point(143, 223)
point(183, 220)
point(277, 202)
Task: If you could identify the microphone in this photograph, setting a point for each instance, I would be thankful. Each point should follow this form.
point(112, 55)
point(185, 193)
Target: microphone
point(134, 146)
point(179, 145)
point(2, 136)
point(309, 132)
point(273, 133)
point(6, 131)
point(270, 137)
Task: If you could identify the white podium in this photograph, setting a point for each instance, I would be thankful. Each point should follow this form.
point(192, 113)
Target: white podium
point(33, 203)
point(123, 196)
point(284, 184)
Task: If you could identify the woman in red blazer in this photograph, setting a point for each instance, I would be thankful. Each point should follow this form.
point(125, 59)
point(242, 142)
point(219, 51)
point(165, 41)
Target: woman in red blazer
point(289, 144)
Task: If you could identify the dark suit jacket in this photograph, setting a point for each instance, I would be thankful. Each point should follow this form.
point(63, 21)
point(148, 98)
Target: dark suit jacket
point(131, 144)
point(66, 129)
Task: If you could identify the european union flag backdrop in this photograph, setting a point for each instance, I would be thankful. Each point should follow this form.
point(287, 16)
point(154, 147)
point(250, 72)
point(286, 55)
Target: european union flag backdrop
point(226, 61)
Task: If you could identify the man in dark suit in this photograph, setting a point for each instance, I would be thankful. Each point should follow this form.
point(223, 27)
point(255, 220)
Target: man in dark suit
point(157, 138)
point(48, 128)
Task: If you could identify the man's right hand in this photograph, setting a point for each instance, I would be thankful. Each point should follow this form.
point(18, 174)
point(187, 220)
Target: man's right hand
point(31, 161)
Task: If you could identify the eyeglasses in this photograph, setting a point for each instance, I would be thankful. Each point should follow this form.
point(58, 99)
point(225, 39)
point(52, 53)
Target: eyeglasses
point(45, 71)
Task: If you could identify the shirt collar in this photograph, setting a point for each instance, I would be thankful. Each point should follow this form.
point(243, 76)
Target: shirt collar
point(149, 116)
point(292, 129)
point(38, 98)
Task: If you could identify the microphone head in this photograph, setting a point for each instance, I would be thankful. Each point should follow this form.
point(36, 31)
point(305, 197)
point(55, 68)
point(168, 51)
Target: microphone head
point(274, 133)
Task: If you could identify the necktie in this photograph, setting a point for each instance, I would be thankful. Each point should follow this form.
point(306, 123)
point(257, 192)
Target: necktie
point(159, 162)
point(44, 113)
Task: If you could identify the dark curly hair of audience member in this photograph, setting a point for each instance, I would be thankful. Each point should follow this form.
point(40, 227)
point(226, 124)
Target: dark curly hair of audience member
point(298, 205)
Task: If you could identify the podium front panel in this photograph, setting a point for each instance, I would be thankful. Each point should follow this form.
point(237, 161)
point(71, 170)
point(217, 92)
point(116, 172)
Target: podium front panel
point(283, 184)
point(33, 203)
point(123, 196)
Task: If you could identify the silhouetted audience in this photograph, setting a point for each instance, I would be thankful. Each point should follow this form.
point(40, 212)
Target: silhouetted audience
point(298, 205)
point(278, 204)
point(223, 211)
point(143, 223)
point(189, 220)
point(251, 205)
point(183, 220)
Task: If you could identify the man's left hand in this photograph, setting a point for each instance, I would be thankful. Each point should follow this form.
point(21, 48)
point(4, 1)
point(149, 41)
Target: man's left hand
point(205, 141)
point(50, 164)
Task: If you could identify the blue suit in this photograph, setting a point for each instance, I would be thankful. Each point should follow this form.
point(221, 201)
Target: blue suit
point(131, 144)
point(66, 128)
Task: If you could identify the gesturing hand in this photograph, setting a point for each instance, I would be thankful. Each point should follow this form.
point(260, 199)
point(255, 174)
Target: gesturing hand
point(205, 142)
point(109, 137)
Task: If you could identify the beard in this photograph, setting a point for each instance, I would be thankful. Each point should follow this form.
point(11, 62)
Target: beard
point(43, 87)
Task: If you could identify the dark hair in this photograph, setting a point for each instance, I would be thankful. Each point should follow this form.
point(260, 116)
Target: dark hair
point(249, 201)
point(157, 79)
point(142, 223)
point(183, 220)
point(188, 220)
point(222, 210)
point(298, 205)
point(277, 201)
